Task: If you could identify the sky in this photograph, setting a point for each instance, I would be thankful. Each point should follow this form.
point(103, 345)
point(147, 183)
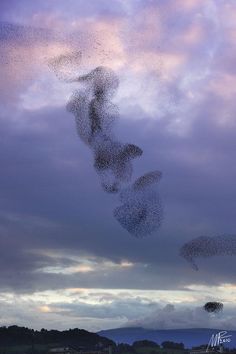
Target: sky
point(65, 261)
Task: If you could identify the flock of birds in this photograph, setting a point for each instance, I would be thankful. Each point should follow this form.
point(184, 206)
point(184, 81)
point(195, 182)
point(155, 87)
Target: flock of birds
point(140, 211)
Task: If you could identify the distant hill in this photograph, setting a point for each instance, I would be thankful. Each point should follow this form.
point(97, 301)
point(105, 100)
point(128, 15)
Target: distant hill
point(18, 336)
point(190, 337)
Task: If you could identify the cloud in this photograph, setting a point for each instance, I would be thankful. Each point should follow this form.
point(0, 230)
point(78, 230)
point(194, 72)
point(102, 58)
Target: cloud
point(175, 317)
point(41, 204)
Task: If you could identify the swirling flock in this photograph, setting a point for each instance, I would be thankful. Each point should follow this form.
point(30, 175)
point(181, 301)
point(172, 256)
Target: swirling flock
point(140, 211)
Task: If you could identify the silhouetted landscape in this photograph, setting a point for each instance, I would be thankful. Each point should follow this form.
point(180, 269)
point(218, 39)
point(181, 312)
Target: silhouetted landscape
point(14, 339)
point(189, 336)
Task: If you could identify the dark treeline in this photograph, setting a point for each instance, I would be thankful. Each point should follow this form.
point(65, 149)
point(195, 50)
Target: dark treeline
point(14, 335)
point(140, 345)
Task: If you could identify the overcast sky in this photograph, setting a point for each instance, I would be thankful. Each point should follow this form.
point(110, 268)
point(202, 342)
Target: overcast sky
point(64, 260)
